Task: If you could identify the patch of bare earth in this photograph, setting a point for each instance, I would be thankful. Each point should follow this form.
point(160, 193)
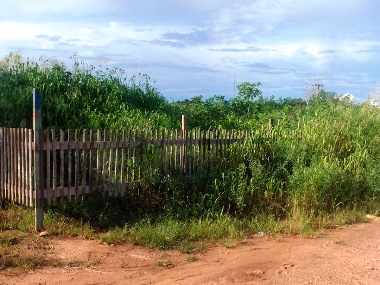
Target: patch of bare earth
point(350, 255)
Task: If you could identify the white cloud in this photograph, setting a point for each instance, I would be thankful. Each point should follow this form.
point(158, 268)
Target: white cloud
point(25, 8)
point(19, 31)
point(290, 49)
point(273, 41)
point(313, 50)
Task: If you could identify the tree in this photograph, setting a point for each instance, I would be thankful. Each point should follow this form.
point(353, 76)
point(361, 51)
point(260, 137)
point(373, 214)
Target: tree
point(249, 91)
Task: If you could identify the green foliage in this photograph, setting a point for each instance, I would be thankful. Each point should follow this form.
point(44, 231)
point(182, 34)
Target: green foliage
point(169, 233)
point(318, 158)
point(16, 218)
point(249, 91)
point(83, 97)
point(323, 96)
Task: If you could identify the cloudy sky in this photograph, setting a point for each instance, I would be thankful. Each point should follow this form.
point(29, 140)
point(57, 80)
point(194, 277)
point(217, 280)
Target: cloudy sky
point(205, 47)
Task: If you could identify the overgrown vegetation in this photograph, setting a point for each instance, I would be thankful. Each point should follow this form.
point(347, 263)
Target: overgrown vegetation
point(319, 161)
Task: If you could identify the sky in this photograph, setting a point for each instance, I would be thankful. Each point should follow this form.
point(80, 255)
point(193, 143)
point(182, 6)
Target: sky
point(207, 47)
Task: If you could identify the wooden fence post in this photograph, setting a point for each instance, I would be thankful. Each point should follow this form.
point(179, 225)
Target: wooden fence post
point(38, 161)
point(183, 148)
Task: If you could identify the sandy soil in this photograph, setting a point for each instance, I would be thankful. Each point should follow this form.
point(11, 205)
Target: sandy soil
point(350, 255)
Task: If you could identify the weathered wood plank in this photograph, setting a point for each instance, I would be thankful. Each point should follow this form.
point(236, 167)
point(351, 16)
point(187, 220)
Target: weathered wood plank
point(110, 180)
point(91, 163)
point(76, 163)
point(19, 164)
point(55, 167)
point(48, 167)
point(122, 165)
point(2, 163)
point(104, 161)
point(133, 143)
point(30, 183)
point(84, 166)
point(23, 166)
point(117, 163)
point(70, 163)
point(14, 165)
point(62, 166)
point(98, 158)
point(7, 164)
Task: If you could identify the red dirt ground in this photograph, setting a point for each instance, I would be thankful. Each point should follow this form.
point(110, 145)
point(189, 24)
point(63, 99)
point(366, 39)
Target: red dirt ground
point(350, 255)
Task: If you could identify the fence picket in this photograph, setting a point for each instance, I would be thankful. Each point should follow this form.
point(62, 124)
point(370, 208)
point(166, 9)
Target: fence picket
point(129, 165)
point(29, 158)
point(69, 162)
point(84, 164)
point(19, 164)
point(122, 163)
point(8, 164)
point(104, 161)
point(76, 163)
point(116, 164)
point(110, 162)
point(91, 163)
point(98, 157)
point(62, 192)
point(2, 165)
point(47, 188)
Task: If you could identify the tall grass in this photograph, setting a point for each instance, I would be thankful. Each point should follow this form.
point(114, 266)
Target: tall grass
point(320, 158)
point(80, 97)
point(324, 163)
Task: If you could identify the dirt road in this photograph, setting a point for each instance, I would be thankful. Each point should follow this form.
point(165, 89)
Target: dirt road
point(350, 255)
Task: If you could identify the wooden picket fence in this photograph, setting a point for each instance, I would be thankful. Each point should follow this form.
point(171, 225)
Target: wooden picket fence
point(42, 168)
point(76, 162)
point(16, 165)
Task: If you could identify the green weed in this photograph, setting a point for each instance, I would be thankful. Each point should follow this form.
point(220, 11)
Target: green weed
point(316, 167)
point(165, 263)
